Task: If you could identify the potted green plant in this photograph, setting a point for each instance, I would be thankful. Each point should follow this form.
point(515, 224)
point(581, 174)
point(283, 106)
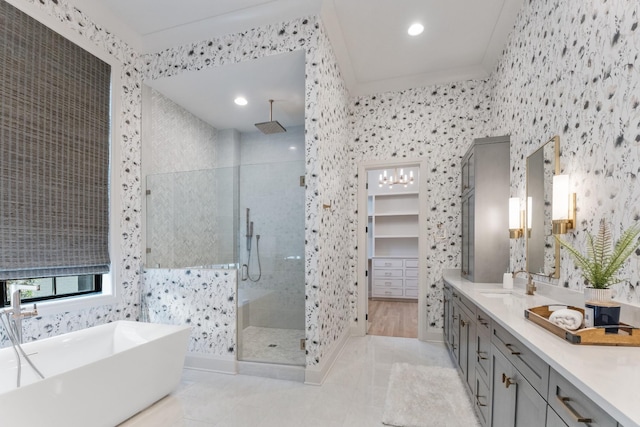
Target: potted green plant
point(600, 266)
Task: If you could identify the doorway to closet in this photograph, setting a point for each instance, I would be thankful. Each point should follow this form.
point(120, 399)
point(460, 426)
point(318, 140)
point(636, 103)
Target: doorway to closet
point(393, 225)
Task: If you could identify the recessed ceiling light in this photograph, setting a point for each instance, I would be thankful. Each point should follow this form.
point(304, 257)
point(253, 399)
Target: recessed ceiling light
point(240, 100)
point(415, 29)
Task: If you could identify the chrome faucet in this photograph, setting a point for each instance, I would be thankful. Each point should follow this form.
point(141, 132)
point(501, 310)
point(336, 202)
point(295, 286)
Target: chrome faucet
point(16, 306)
point(531, 287)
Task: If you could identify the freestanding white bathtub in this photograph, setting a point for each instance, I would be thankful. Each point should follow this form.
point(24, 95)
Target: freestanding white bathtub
point(94, 377)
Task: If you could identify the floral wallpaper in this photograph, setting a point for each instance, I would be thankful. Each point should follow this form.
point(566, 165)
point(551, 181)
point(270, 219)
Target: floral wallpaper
point(438, 123)
point(571, 69)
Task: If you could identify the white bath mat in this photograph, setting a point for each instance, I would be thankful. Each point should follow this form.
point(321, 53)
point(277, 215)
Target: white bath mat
point(427, 396)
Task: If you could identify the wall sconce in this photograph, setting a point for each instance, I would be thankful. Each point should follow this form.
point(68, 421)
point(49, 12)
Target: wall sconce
point(515, 218)
point(564, 205)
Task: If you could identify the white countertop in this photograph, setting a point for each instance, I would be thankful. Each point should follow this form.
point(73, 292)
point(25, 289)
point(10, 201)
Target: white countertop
point(608, 375)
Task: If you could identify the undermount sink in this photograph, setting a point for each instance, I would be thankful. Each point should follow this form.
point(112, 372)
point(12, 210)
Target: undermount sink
point(497, 293)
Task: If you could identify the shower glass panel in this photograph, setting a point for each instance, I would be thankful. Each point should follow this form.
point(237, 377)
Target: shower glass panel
point(192, 219)
point(249, 217)
point(271, 248)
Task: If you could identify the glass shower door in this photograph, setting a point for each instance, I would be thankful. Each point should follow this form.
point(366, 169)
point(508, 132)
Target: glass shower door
point(271, 297)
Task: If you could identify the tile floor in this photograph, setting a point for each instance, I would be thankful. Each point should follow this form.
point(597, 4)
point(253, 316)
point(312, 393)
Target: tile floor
point(353, 394)
point(273, 345)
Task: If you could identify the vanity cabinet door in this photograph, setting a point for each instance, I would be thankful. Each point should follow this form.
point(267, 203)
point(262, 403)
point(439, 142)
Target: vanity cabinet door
point(446, 330)
point(515, 403)
point(466, 358)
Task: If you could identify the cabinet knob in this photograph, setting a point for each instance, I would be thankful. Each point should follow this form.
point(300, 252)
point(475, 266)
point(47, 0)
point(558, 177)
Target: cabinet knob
point(576, 417)
point(463, 323)
point(507, 381)
point(482, 321)
point(482, 355)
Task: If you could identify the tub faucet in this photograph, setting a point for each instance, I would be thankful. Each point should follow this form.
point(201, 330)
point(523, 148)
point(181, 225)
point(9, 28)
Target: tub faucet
point(16, 306)
point(531, 287)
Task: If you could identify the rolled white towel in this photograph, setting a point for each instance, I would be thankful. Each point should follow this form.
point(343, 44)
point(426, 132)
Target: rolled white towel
point(567, 318)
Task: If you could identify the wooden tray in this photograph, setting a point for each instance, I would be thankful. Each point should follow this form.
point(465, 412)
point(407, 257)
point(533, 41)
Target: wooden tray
point(627, 335)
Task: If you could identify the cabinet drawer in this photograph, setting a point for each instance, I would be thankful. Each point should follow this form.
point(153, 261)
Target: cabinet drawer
point(534, 369)
point(411, 293)
point(387, 283)
point(411, 283)
point(387, 273)
point(573, 406)
point(482, 399)
point(411, 263)
point(411, 272)
point(392, 292)
point(484, 322)
point(483, 354)
point(386, 263)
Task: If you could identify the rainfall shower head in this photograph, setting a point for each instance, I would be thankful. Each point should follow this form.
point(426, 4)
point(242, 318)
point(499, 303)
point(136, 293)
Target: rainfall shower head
point(272, 126)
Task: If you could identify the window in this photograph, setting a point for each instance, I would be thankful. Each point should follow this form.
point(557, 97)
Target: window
point(54, 287)
point(55, 106)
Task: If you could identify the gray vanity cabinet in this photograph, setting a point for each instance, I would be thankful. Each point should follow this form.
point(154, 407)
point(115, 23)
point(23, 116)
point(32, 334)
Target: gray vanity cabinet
point(485, 210)
point(515, 402)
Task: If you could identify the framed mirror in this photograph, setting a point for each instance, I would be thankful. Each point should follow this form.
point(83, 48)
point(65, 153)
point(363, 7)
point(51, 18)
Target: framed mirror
point(542, 250)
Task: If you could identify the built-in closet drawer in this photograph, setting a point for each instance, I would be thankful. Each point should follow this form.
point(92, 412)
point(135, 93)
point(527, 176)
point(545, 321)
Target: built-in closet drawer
point(387, 263)
point(411, 272)
point(573, 406)
point(411, 263)
point(387, 283)
point(411, 293)
point(392, 292)
point(411, 283)
point(387, 273)
point(532, 367)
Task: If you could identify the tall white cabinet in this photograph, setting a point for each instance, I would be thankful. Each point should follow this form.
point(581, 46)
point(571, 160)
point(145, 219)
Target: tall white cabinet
point(393, 241)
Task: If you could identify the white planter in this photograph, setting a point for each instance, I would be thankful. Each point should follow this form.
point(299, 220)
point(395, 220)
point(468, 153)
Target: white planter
point(598, 295)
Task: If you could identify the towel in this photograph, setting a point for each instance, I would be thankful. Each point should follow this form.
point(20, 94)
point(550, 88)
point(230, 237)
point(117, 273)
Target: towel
point(566, 318)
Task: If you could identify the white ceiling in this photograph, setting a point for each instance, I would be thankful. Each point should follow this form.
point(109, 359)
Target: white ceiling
point(209, 94)
point(462, 40)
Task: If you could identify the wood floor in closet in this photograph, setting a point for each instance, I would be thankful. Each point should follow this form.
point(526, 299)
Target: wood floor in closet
point(393, 318)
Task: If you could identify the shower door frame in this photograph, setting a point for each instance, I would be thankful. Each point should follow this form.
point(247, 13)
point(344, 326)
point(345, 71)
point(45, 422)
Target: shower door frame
point(360, 327)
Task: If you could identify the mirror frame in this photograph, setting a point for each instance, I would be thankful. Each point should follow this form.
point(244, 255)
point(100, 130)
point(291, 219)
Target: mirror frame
point(556, 273)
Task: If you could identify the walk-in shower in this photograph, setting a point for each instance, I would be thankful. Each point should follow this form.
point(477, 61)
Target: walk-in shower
point(248, 216)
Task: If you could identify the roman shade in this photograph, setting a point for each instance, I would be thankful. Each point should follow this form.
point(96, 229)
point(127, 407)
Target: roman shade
point(54, 153)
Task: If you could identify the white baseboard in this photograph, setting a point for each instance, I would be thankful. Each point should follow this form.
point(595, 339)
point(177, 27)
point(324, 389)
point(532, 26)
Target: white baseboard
point(270, 370)
point(433, 334)
point(222, 364)
point(315, 375)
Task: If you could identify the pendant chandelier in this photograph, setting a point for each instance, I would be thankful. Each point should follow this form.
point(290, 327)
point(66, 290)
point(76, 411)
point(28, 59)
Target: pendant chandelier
point(395, 178)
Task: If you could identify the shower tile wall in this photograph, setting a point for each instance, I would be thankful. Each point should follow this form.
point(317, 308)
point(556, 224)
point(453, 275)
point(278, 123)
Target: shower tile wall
point(129, 219)
point(271, 167)
point(571, 69)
